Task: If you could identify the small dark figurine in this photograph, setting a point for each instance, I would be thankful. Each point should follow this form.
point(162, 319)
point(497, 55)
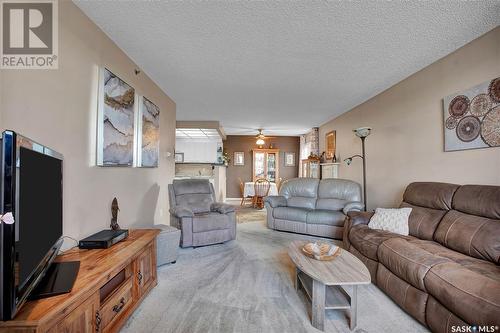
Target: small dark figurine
point(322, 158)
point(114, 215)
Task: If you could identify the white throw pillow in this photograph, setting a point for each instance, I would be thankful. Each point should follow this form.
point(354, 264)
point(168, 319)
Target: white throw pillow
point(391, 219)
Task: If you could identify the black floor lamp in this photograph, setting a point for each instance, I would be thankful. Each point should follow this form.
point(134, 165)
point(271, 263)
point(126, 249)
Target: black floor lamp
point(361, 133)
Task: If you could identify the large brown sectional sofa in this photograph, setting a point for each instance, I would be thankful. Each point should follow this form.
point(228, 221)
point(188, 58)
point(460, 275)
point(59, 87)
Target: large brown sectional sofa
point(446, 272)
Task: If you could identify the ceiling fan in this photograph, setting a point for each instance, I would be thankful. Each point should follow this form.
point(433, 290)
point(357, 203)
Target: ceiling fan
point(261, 137)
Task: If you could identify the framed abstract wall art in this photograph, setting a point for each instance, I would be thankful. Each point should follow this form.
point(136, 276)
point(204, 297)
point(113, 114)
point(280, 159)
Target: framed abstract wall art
point(116, 121)
point(148, 134)
point(472, 117)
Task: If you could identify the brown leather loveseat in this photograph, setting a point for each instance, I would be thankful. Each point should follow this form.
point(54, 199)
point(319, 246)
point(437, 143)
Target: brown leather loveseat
point(446, 273)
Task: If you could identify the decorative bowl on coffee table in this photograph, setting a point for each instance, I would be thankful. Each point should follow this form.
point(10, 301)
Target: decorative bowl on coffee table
point(321, 251)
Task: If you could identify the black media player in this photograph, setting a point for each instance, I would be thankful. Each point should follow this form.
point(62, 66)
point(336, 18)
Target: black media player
point(103, 239)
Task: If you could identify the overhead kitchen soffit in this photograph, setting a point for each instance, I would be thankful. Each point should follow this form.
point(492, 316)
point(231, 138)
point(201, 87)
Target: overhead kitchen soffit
point(197, 133)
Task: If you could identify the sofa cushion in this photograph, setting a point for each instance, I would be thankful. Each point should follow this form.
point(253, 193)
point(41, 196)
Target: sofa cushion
point(334, 194)
point(212, 237)
point(196, 194)
point(328, 217)
point(181, 211)
point(439, 250)
point(429, 202)
point(331, 204)
point(300, 192)
point(367, 240)
point(411, 299)
point(435, 312)
point(210, 221)
point(189, 186)
point(290, 214)
point(407, 261)
point(423, 221)
point(472, 292)
point(371, 264)
point(472, 235)
point(301, 202)
point(339, 189)
point(480, 200)
point(430, 195)
point(300, 187)
point(197, 202)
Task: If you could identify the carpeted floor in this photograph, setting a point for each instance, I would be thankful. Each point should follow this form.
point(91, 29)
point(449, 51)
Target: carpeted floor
point(245, 214)
point(246, 286)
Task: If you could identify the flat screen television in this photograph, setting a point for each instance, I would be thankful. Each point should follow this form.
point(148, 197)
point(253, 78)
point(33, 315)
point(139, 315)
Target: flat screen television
point(31, 189)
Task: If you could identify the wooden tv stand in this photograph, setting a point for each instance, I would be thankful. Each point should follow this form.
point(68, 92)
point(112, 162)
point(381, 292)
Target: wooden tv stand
point(110, 285)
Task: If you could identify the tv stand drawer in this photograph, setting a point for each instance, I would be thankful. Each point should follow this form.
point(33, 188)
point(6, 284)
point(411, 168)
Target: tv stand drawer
point(116, 304)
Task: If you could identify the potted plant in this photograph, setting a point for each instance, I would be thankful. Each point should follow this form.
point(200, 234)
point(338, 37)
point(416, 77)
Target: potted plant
point(226, 158)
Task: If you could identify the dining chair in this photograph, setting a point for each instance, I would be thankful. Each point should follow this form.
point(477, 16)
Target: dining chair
point(279, 182)
point(242, 191)
point(261, 190)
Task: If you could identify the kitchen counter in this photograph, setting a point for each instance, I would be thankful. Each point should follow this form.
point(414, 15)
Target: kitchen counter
point(192, 177)
point(204, 163)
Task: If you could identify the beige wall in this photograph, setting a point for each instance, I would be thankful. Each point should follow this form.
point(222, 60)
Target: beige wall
point(58, 108)
point(407, 142)
point(246, 144)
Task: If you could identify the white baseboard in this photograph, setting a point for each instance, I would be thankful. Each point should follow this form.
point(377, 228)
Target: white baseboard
point(233, 199)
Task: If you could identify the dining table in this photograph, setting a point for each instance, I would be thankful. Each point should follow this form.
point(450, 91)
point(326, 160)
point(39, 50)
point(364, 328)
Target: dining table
point(249, 189)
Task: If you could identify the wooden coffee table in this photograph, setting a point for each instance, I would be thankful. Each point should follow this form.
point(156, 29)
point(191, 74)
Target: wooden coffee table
point(323, 282)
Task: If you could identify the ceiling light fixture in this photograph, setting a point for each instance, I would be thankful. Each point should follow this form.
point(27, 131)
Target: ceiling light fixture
point(260, 138)
point(362, 132)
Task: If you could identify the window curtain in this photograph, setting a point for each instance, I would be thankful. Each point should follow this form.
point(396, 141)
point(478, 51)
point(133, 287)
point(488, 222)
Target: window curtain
point(309, 143)
point(305, 150)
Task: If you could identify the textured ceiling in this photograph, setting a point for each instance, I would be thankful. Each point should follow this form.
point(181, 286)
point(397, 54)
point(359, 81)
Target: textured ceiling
point(285, 66)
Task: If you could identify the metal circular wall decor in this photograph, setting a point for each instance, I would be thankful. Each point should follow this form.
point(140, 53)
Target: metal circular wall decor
point(459, 106)
point(480, 105)
point(468, 128)
point(490, 127)
point(494, 90)
point(451, 122)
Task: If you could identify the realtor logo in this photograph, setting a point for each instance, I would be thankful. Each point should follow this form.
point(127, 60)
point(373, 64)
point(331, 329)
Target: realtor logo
point(29, 34)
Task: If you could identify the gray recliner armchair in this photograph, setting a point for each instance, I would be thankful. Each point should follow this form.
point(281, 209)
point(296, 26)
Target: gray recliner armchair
point(193, 210)
point(312, 206)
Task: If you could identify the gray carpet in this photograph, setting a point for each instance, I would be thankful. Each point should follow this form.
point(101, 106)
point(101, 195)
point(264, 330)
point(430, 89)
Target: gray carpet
point(249, 214)
point(246, 286)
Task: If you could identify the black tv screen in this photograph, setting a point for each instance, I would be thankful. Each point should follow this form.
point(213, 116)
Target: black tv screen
point(31, 190)
point(39, 210)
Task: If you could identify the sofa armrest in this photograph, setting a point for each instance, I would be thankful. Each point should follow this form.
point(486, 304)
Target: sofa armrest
point(354, 218)
point(353, 206)
point(181, 211)
point(276, 201)
point(221, 208)
point(359, 217)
